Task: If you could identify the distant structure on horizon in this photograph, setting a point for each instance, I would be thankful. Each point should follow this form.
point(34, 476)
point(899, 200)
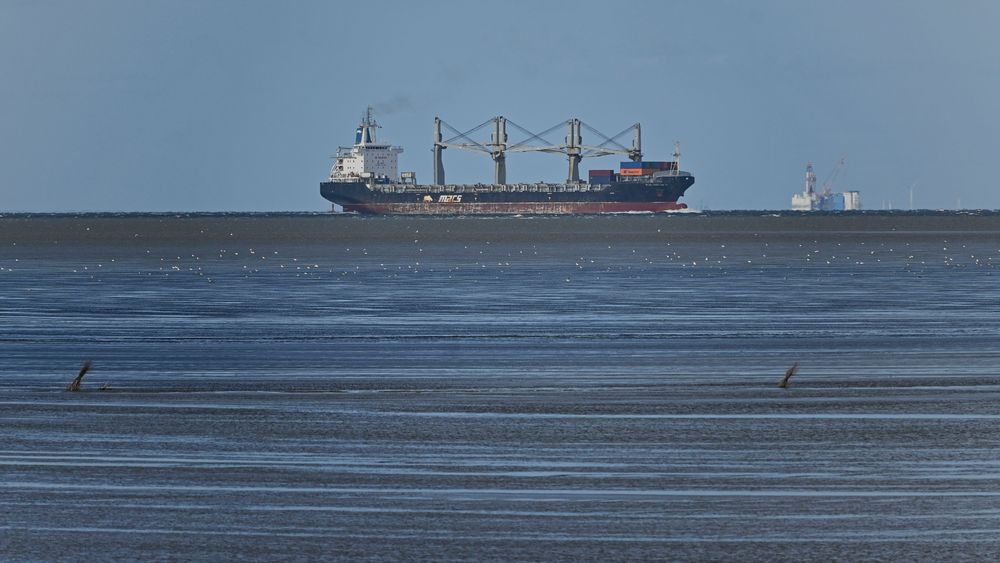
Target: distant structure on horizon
point(825, 199)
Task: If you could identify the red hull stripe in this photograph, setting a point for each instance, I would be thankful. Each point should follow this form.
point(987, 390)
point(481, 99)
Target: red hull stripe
point(513, 208)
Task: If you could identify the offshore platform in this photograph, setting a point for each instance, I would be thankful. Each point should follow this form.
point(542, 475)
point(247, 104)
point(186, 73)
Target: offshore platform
point(825, 199)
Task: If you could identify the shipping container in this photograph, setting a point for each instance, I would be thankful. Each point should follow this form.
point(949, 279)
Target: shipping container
point(637, 172)
point(650, 164)
point(600, 179)
point(642, 171)
point(601, 172)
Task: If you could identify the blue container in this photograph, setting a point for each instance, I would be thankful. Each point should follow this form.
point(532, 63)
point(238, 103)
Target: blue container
point(650, 164)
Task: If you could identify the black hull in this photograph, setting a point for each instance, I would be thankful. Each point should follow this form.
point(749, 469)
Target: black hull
point(659, 194)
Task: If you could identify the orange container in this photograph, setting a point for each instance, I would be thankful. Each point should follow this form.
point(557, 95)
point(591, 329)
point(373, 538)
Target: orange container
point(637, 172)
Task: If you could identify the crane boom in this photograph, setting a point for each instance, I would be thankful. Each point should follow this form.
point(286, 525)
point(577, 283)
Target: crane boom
point(827, 187)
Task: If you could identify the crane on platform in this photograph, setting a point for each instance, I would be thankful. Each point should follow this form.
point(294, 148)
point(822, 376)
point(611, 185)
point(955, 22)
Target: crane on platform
point(497, 146)
point(827, 186)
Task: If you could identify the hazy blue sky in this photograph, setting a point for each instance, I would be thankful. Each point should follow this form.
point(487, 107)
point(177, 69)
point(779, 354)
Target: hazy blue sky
point(237, 105)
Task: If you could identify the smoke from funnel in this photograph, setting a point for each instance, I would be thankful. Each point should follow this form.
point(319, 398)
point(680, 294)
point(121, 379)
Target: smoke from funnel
point(396, 104)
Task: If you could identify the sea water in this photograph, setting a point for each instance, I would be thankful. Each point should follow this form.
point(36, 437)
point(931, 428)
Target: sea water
point(540, 388)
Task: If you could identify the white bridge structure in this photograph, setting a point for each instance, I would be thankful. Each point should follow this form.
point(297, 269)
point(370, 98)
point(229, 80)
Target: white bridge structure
point(367, 158)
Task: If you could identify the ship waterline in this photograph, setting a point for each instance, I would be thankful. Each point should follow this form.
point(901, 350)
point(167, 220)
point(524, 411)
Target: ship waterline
point(518, 208)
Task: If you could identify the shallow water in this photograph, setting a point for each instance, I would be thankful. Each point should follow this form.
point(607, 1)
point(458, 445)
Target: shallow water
point(511, 388)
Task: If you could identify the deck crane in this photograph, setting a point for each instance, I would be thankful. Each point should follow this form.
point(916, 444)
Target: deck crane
point(497, 146)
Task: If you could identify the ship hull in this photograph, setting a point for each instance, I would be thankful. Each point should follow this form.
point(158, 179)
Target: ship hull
point(658, 195)
point(521, 208)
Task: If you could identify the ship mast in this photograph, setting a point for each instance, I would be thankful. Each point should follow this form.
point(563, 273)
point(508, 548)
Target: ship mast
point(366, 130)
point(573, 150)
point(636, 153)
point(498, 148)
point(438, 147)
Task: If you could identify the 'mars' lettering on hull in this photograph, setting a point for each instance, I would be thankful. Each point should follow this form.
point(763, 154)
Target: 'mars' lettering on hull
point(365, 177)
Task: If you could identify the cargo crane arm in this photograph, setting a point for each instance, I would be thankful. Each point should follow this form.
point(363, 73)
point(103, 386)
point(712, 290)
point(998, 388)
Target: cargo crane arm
point(470, 144)
point(635, 153)
point(827, 186)
point(574, 149)
point(497, 147)
point(548, 146)
point(602, 149)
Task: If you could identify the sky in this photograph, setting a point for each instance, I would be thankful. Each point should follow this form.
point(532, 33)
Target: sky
point(225, 105)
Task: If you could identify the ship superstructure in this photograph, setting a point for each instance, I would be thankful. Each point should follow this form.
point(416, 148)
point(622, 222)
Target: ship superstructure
point(365, 179)
point(367, 158)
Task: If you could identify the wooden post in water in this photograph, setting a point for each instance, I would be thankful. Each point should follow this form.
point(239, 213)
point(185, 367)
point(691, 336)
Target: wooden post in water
point(788, 375)
point(75, 385)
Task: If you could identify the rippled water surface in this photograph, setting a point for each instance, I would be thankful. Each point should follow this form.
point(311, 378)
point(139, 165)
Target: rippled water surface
point(575, 388)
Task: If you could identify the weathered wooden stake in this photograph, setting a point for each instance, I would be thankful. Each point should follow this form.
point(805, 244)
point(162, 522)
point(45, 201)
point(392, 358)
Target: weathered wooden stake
point(788, 375)
point(75, 385)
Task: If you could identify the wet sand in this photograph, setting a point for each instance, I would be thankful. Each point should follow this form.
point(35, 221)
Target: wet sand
point(588, 390)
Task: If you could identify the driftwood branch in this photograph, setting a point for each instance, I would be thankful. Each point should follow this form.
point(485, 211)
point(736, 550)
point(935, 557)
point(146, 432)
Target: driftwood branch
point(788, 375)
point(75, 385)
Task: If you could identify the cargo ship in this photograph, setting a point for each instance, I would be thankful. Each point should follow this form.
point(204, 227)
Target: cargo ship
point(365, 179)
